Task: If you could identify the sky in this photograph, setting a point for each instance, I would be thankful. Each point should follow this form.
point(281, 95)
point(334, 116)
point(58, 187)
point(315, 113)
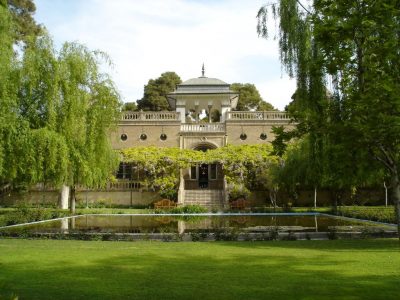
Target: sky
point(147, 38)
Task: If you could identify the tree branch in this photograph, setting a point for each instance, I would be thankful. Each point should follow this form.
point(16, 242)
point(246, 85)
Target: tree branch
point(298, 1)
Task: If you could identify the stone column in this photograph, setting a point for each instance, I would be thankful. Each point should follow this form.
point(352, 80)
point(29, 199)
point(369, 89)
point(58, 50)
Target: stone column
point(210, 106)
point(225, 194)
point(224, 112)
point(196, 111)
point(64, 197)
point(182, 111)
point(181, 190)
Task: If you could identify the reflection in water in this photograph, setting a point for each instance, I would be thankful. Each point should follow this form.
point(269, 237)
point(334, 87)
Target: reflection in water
point(181, 226)
point(73, 223)
point(64, 225)
point(316, 223)
point(187, 224)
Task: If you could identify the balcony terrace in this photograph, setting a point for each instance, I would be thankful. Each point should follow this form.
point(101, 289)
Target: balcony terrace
point(150, 116)
point(257, 116)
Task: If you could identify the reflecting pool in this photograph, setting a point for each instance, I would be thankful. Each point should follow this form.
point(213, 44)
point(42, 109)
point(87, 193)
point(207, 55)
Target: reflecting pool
point(247, 223)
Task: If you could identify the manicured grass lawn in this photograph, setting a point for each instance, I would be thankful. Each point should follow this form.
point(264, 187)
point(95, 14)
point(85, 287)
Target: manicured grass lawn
point(341, 269)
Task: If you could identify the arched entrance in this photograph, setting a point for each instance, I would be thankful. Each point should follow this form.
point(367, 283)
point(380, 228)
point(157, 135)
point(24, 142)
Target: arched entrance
point(204, 176)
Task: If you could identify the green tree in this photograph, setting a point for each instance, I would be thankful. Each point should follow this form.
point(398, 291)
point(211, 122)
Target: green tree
point(89, 108)
point(10, 123)
point(129, 106)
point(22, 12)
point(156, 90)
point(56, 112)
point(354, 45)
point(250, 98)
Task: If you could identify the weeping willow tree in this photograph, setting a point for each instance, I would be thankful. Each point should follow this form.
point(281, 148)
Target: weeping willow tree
point(352, 47)
point(9, 122)
point(89, 108)
point(56, 112)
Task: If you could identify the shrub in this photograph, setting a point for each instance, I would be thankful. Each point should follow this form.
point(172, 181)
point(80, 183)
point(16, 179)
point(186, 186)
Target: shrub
point(25, 214)
point(238, 192)
point(189, 209)
point(379, 214)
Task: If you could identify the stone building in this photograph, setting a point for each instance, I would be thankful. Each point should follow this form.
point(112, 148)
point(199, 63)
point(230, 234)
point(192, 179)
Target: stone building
point(182, 127)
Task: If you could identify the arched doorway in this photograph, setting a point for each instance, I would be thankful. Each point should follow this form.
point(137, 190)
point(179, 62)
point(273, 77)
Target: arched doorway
point(204, 176)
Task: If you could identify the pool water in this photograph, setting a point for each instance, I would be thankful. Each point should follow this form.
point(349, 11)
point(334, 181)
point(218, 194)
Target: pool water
point(248, 223)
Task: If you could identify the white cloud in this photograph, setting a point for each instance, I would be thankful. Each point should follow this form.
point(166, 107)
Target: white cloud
point(146, 38)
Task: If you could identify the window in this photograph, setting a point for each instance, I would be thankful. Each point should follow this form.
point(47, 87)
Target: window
point(193, 172)
point(213, 171)
point(163, 136)
point(124, 171)
point(124, 137)
point(263, 136)
point(243, 136)
point(143, 136)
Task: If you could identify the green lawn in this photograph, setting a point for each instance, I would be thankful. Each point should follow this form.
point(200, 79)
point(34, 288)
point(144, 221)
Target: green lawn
point(341, 269)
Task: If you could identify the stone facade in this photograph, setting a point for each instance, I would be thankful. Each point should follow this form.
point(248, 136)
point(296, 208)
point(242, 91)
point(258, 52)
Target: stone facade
point(183, 128)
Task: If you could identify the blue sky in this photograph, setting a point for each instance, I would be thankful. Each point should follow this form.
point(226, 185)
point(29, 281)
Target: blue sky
point(147, 38)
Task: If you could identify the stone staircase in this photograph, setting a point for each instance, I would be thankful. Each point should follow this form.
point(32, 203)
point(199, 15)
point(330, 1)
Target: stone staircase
point(211, 199)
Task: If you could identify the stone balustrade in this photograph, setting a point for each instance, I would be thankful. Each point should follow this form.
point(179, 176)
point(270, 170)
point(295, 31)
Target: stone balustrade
point(119, 185)
point(256, 115)
point(150, 116)
point(205, 127)
point(124, 185)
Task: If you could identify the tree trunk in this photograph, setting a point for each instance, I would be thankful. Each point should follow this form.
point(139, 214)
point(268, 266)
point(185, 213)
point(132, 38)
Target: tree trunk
point(396, 199)
point(386, 194)
point(72, 207)
point(315, 197)
point(64, 197)
point(272, 197)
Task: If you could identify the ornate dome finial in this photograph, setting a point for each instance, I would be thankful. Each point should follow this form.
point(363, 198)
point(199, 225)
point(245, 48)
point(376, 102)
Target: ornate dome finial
point(202, 71)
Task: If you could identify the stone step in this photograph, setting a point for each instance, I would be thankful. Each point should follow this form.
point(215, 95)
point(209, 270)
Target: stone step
point(205, 198)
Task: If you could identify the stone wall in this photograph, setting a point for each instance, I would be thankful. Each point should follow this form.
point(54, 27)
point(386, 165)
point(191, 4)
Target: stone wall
point(153, 131)
point(108, 198)
point(253, 130)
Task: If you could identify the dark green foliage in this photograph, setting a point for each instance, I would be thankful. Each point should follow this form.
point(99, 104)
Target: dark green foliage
point(188, 209)
point(352, 48)
point(22, 12)
point(250, 98)
point(23, 213)
point(380, 214)
point(156, 90)
point(129, 106)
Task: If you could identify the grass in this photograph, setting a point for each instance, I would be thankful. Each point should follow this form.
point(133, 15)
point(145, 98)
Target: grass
point(341, 269)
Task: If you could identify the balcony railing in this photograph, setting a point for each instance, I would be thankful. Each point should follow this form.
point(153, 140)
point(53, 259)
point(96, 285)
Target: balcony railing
point(150, 116)
point(124, 185)
point(256, 115)
point(206, 127)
